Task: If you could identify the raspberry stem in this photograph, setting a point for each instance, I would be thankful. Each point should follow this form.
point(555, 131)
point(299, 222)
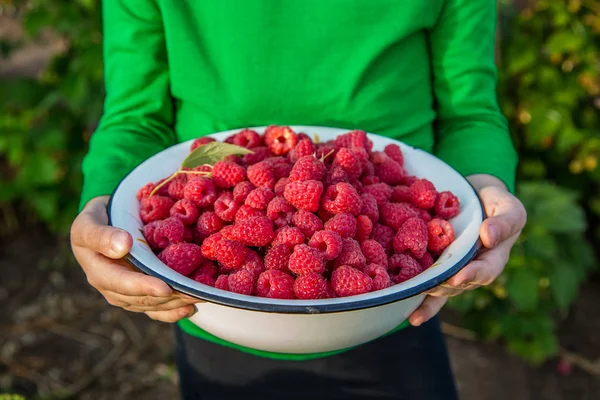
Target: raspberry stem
point(327, 155)
point(163, 183)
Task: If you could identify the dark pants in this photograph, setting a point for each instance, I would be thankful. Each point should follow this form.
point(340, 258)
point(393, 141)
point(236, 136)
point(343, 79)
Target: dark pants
point(409, 364)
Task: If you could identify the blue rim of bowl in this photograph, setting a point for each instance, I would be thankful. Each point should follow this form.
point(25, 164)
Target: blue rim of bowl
point(224, 300)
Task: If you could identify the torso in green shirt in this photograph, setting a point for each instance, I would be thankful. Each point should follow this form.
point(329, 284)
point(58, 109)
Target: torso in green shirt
point(421, 71)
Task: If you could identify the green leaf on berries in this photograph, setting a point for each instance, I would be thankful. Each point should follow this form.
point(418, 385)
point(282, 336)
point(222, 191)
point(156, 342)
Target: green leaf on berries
point(212, 152)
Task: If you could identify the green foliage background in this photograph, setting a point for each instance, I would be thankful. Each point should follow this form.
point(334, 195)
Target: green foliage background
point(549, 90)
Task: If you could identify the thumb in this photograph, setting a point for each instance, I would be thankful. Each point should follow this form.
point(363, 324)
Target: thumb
point(508, 219)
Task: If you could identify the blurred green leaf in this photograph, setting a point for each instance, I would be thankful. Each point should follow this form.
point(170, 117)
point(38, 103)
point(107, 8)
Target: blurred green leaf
point(564, 41)
point(564, 283)
point(522, 289)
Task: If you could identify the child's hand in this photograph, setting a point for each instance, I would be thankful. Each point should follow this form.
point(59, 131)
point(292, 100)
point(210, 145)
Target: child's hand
point(99, 249)
point(506, 219)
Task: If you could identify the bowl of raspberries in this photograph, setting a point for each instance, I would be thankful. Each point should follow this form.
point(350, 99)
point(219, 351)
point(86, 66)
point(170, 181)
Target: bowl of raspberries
point(298, 239)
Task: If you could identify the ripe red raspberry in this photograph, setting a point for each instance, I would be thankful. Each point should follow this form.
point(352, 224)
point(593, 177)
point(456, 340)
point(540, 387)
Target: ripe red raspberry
point(342, 198)
point(351, 255)
point(307, 222)
point(145, 190)
point(176, 187)
point(148, 232)
point(310, 286)
point(363, 158)
point(205, 273)
point(254, 263)
point(200, 168)
point(186, 211)
point(188, 234)
point(278, 257)
point(343, 224)
point(308, 168)
point(357, 185)
point(369, 207)
point(379, 275)
point(304, 195)
point(280, 186)
point(426, 261)
point(260, 153)
point(288, 235)
point(394, 152)
point(303, 136)
point(384, 235)
point(201, 191)
point(226, 207)
point(182, 257)
point(324, 215)
point(423, 194)
point(227, 232)
point(247, 138)
point(259, 198)
point(241, 282)
point(246, 212)
point(401, 194)
point(402, 267)
point(305, 259)
point(369, 180)
point(207, 224)
point(395, 214)
point(168, 231)
point(412, 236)
point(230, 253)
point(280, 139)
point(348, 281)
point(281, 169)
point(447, 205)
point(334, 176)
point(352, 139)
point(275, 284)
point(280, 211)
point(208, 245)
point(200, 141)
point(155, 208)
point(262, 174)
point(390, 172)
point(374, 253)
point(254, 231)
point(222, 282)
point(364, 226)
point(440, 233)
point(227, 174)
point(241, 191)
point(349, 162)
point(381, 191)
point(409, 180)
point(304, 148)
point(327, 242)
point(424, 215)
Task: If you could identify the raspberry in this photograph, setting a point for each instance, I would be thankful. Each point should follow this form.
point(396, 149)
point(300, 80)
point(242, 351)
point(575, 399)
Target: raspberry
point(390, 172)
point(357, 185)
point(280, 139)
point(305, 259)
point(254, 263)
point(207, 224)
point(304, 195)
point(208, 245)
point(327, 242)
point(424, 215)
point(440, 233)
point(395, 214)
point(374, 252)
point(262, 174)
point(402, 267)
point(221, 270)
point(349, 162)
point(201, 191)
point(324, 215)
point(246, 212)
point(186, 211)
point(227, 174)
point(423, 194)
point(205, 273)
point(355, 138)
point(412, 236)
point(384, 235)
point(325, 152)
point(145, 190)
point(363, 158)
point(241, 191)
point(394, 152)
point(409, 180)
point(401, 194)
point(302, 149)
point(379, 275)
point(426, 261)
point(290, 236)
point(280, 211)
point(226, 207)
point(148, 233)
point(343, 224)
point(278, 257)
point(176, 187)
point(307, 222)
point(247, 138)
point(447, 205)
point(334, 176)
point(308, 168)
point(227, 232)
point(241, 282)
point(155, 208)
point(280, 186)
point(259, 198)
point(369, 176)
point(381, 191)
point(351, 255)
point(260, 153)
point(182, 257)
point(369, 207)
point(303, 136)
point(254, 231)
point(201, 168)
point(275, 285)
point(369, 180)
point(310, 286)
point(168, 231)
point(364, 226)
point(342, 198)
point(348, 281)
point(230, 253)
point(222, 282)
point(188, 234)
point(200, 141)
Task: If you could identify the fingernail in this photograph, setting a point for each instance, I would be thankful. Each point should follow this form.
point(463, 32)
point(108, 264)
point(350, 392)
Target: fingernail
point(416, 321)
point(493, 233)
point(117, 243)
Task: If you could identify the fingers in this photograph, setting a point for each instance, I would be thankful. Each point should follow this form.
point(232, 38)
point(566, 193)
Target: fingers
point(506, 216)
point(172, 316)
point(147, 303)
point(427, 310)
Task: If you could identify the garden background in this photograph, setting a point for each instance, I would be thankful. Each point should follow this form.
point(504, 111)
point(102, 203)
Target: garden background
point(530, 335)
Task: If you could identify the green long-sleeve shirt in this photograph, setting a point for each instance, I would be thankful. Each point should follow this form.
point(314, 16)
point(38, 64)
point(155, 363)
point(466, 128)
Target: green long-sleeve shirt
point(421, 71)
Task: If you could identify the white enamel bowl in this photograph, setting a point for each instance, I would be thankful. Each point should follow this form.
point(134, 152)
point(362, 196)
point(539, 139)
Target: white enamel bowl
point(303, 326)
